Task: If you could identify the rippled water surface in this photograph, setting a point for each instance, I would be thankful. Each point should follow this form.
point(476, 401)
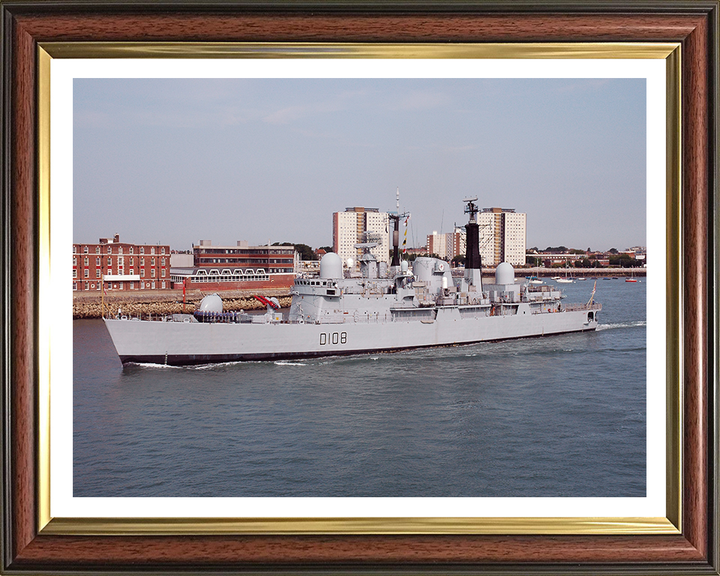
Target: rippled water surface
point(554, 416)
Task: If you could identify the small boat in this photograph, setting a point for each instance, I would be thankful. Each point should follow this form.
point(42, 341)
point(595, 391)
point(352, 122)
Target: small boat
point(566, 280)
point(632, 278)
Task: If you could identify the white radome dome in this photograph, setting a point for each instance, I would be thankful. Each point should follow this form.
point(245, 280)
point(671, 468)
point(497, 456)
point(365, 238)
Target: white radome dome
point(211, 303)
point(505, 274)
point(331, 266)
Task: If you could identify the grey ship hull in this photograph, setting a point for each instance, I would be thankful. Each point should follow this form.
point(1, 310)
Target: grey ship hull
point(184, 343)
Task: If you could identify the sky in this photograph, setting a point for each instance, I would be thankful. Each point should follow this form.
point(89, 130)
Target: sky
point(174, 161)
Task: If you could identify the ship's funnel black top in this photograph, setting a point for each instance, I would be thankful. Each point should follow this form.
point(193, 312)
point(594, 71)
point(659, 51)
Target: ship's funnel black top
point(396, 242)
point(472, 242)
point(472, 250)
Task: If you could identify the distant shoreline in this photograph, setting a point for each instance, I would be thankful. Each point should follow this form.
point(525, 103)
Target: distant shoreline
point(576, 272)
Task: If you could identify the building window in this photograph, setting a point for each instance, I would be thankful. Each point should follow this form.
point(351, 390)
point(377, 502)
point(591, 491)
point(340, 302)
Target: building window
point(142, 250)
point(97, 249)
point(153, 284)
point(162, 273)
point(74, 273)
point(97, 261)
point(85, 249)
point(152, 272)
point(132, 250)
point(162, 261)
point(74, 285)
point(109, 261)
point(152, 261)
point(109, 249)
point(163, 284)
point(97, 273)
point(162, 251)
point(142, 271)
point(152, 250)
point(119, 249)
point(86, 273)
point(74, 249)
point(142, 261)
point(132, 271)
point(74, 260)
point(132, 260)
point(132, 285)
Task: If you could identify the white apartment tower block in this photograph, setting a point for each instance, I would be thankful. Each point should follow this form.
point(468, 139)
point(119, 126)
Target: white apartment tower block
point(503, 235)
point(350, 228)
point(448, 245)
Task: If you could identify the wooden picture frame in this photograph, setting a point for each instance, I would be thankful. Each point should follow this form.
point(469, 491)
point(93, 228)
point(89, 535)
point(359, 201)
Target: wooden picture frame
point(27, 25)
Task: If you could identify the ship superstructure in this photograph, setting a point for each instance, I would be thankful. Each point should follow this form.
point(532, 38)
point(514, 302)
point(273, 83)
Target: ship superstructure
point(384, 310)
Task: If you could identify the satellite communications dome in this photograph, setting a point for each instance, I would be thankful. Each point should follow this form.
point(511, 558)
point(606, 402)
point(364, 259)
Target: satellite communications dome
point(331, 266)
point(211, 303)
point(505, 274)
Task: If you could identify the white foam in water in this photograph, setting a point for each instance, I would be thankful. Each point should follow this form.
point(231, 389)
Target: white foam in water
point(636, 324)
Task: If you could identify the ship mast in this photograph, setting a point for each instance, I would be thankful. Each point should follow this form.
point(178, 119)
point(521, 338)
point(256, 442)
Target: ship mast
point(473, 262)
point(396, 228)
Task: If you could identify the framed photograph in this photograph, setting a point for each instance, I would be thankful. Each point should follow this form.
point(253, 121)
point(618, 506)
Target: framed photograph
point(63, 62)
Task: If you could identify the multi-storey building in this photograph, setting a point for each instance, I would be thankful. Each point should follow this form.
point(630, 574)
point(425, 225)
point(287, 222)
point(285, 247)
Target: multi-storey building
point(448, 245)
point(123, 266)
point(356, 226)
point(503, 234)
point(238, 267)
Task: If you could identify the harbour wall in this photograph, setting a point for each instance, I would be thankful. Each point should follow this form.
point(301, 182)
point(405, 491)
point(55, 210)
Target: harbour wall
point(163, 302)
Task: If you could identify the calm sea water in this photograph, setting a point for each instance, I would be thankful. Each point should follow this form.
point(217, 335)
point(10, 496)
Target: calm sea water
point(554, 416)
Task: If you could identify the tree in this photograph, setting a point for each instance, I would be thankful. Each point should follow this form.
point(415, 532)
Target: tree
point(459, 260)
point(306, 253)
point(613, 251)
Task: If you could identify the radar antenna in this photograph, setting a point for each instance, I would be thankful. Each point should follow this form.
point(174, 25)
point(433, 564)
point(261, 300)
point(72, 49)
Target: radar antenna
point(471, 208)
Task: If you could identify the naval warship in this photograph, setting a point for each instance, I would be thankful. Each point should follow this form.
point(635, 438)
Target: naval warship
point(385, 309)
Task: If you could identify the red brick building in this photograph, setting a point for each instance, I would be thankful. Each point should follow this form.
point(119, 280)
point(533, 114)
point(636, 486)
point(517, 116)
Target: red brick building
point(238, 267)
point(123, 266)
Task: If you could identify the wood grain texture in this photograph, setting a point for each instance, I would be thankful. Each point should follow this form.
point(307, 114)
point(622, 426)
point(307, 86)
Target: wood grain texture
point(357, 28)
point(22, 281)
point(696, 234)
point(224, 551)
point(689, 552)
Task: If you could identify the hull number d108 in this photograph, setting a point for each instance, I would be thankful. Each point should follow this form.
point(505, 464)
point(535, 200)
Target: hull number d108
point(333, 337)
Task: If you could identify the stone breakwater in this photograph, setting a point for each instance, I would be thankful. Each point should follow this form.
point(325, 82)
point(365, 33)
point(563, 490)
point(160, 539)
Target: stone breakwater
point(161, 304)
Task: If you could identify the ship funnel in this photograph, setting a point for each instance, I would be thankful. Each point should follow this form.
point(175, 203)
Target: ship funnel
point(473, 263)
